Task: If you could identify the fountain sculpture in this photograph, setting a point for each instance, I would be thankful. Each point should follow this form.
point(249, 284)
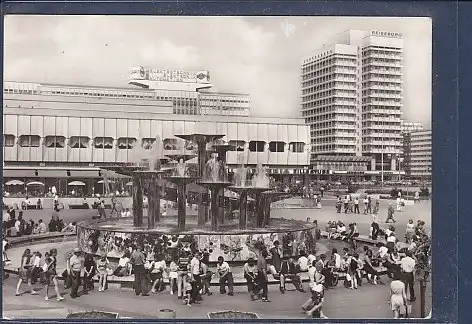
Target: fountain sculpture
point(181, 178)
point(201, 140)
point(256, 186)
point(215, 178)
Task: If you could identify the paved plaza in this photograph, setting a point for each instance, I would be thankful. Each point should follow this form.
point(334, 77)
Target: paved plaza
point(369, 301)
point(366, 302)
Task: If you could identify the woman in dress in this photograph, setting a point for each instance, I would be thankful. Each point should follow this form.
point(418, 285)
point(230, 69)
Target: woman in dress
point(102, 269)
point(410, 231)
point(50, 275)
point(25, 272)
point(173, 269)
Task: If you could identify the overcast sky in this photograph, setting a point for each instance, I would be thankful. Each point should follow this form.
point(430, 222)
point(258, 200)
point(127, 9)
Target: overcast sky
point(255, 55)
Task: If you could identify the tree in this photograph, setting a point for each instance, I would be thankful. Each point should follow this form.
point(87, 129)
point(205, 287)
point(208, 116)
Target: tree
point(423, 272)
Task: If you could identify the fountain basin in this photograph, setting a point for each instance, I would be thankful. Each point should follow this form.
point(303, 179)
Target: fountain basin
point(101, 236)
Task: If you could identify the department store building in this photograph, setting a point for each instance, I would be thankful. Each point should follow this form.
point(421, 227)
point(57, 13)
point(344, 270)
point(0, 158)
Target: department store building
point(56, 134)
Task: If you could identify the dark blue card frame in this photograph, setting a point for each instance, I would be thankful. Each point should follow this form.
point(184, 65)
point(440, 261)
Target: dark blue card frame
point(445, 106)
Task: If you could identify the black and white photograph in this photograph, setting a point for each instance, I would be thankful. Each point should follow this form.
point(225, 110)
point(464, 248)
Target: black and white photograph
point(217, 167)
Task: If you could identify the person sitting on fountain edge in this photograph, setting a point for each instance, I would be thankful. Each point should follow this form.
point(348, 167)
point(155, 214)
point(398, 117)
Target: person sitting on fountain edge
point(291, 271)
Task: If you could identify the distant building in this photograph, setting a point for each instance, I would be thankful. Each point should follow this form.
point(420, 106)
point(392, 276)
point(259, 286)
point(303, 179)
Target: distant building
point(56, 133)
point(417, 154)
point(409, 126)
point(352, 98)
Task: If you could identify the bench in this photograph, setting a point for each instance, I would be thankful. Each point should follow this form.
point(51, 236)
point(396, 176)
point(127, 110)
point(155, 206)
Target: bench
point(79, 206)
point(107, 206)
point(27, 207)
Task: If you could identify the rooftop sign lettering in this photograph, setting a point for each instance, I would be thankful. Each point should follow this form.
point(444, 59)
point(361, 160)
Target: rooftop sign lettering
point(170, 75)
point(386, 34)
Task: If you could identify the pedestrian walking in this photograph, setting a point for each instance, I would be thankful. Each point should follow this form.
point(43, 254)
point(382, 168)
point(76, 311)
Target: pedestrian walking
point(25, 272)
point(262, 274)
point(369, 204)
point(36, 270)
point(408, 266)
point(398, 297)
point(390, 213)
point(50, 275)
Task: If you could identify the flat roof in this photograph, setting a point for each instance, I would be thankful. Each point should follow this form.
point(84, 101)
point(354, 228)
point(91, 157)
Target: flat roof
point(335, 158)
point(154, 116)
point(130, 88)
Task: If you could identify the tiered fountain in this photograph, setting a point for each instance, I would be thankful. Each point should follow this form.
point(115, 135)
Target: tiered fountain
point(234, 241)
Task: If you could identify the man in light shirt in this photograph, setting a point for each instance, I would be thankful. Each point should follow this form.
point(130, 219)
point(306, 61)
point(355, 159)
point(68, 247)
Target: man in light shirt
point(383, 250)
point(408, 267)
point(196, 279)
point(226, 276)
point(76, 265)
point(314, 275)
point(42, 226)
point(311, 257)
point(337, 259)
point(303, 262)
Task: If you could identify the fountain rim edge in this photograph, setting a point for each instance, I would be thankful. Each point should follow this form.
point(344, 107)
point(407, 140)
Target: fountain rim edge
point(143, 230)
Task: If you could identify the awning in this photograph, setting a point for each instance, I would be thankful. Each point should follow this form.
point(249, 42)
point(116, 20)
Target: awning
point(129, 183)
point(35, 183)
point(76, 183)
point(14, 183)
point(109, 181)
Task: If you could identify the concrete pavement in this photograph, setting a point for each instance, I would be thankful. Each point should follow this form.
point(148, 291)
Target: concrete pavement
point(368, 301)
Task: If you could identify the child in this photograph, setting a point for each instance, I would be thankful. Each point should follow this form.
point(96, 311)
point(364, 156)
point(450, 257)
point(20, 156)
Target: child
point(188, 290)
point(102, 269)
point(313, 306)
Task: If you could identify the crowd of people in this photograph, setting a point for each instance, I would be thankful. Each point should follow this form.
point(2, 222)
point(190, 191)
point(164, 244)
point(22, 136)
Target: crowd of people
point(14, 226)
point(189, 273)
